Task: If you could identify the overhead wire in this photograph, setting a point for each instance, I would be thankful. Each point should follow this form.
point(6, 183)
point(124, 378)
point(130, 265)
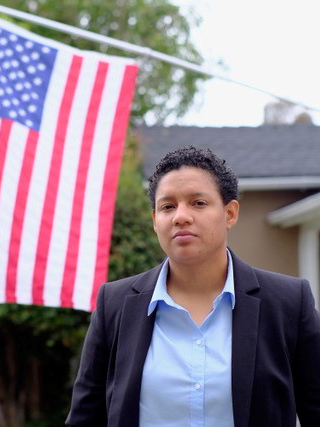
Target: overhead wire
point(143, 51)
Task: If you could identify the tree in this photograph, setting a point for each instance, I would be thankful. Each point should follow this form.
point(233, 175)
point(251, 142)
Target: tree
point(162, 90)
point(37, 344)
point(285, 113)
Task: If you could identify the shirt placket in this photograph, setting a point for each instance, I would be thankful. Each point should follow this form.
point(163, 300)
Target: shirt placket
point(197, 381)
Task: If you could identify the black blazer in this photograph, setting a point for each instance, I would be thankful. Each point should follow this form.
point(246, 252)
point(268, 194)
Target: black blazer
point(275, 352)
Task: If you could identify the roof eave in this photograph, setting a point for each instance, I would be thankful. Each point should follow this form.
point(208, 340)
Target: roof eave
point(279, 183)
point(305, 211)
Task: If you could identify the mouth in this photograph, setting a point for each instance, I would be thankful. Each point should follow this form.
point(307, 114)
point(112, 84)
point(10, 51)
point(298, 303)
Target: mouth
point(183, 233)
point(183, 236)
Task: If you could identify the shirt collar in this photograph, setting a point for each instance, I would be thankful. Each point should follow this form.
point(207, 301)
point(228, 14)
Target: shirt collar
point(160, 291)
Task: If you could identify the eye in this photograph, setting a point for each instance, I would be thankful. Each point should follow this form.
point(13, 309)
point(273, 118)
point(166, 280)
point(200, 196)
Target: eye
point(200, 203)
point(166, 207)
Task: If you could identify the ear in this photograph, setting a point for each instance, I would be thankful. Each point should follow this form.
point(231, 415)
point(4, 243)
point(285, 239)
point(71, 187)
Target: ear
point(232, 212)
point(153, 215)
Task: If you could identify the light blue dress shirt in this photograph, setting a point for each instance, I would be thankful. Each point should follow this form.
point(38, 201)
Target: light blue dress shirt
point(186, 379)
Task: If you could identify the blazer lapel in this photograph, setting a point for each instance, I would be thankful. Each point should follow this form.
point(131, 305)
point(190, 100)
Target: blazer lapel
point(135, 335)
point(244, 340)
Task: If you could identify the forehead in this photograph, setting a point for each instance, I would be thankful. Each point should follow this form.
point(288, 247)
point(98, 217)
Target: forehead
point(186, 178)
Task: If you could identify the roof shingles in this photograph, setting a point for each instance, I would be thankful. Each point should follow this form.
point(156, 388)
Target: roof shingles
point(266, 151)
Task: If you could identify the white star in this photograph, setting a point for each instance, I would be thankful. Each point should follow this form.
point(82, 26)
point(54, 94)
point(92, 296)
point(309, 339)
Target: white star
point(9, 52)
point(25, 58)
point(6, 103)
point(37, 81)
point(29, 123)
point(27, 85)
point(32, 108)
point(21, 74)
point(19, 86)
point(22, 112)
point(41, 67)
point(28, 44)
point(15, 63)
point(6, 65)
point(3, 41)
point(45, 49)
point(34, 95)
point(9, 90)
point(13, 114)
point(1, 91)
point(35, 55)
point(12, 75)
point(25, 97)
point(13, 37)
point(15, 101)
point(31, 69)
point(19, 48)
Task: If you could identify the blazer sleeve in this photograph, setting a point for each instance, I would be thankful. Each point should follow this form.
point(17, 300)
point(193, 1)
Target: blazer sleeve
point(307, 361)
point(88, 406)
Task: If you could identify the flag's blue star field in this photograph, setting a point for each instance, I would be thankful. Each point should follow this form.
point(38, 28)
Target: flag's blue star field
point(25, 71)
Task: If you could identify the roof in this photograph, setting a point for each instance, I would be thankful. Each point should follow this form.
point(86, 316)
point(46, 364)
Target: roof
point(252, 152)
point(303, 211)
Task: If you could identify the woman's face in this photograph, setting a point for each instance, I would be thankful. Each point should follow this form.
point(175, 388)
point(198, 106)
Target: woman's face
point(190, 218)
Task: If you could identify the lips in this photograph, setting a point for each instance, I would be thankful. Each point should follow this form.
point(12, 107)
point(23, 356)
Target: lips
point(183, 237)
point(183, 233)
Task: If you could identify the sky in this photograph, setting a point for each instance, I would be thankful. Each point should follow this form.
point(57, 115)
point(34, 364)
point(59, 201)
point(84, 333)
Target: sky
point(272, 45)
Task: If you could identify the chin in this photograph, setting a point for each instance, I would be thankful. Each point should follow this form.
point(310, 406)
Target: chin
point(186, 258)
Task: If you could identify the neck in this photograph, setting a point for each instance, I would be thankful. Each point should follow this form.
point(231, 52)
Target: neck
point(206, 278)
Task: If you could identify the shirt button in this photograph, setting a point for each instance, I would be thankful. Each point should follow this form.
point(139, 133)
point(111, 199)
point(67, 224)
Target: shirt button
point(198, 342)
point(197, 386)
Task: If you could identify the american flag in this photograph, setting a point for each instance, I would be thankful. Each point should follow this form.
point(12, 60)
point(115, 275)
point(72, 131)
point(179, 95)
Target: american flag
point(63, 119)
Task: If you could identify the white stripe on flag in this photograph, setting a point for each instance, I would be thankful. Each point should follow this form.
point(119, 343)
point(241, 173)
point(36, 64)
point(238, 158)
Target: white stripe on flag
point(39, 181)
point(62, 218)
point(8, 191)
point(89, 233)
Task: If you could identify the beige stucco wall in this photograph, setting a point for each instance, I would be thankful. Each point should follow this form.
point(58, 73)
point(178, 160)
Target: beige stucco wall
point(259, 243)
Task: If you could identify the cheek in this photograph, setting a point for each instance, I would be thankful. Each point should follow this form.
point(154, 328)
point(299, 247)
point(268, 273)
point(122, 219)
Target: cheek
point(160, 231)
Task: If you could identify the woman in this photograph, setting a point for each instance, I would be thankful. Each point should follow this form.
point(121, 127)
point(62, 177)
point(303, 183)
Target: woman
point(203, 339)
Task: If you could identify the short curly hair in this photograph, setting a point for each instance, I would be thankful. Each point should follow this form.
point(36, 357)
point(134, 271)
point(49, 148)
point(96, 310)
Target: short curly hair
point(202, 158)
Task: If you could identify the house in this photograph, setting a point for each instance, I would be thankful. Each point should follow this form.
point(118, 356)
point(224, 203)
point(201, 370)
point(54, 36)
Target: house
point(279, 179)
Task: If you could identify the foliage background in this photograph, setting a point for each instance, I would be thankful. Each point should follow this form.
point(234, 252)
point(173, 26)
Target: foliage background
point(162, 90)
point(40, 346)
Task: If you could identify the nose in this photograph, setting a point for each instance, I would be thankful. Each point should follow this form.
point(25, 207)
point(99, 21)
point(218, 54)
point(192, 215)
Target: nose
point(182, 215)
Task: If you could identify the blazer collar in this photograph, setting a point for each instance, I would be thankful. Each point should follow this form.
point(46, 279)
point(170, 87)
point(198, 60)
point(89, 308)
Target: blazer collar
point(147, 281)
point(135, 333)
point(244, 276)
point(245, 325)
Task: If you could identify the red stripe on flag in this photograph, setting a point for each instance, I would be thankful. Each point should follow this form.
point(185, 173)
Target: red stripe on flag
point(53, 181)
point(69, 274)
point(19, 214)
point(5, 130)
point(110, 183)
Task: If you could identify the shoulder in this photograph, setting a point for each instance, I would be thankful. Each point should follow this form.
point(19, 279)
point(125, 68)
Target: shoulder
point(251, 279)
point(290, 294)
point(113, 292)
point(279, 282)
point(278, 289)
point(112, 296)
